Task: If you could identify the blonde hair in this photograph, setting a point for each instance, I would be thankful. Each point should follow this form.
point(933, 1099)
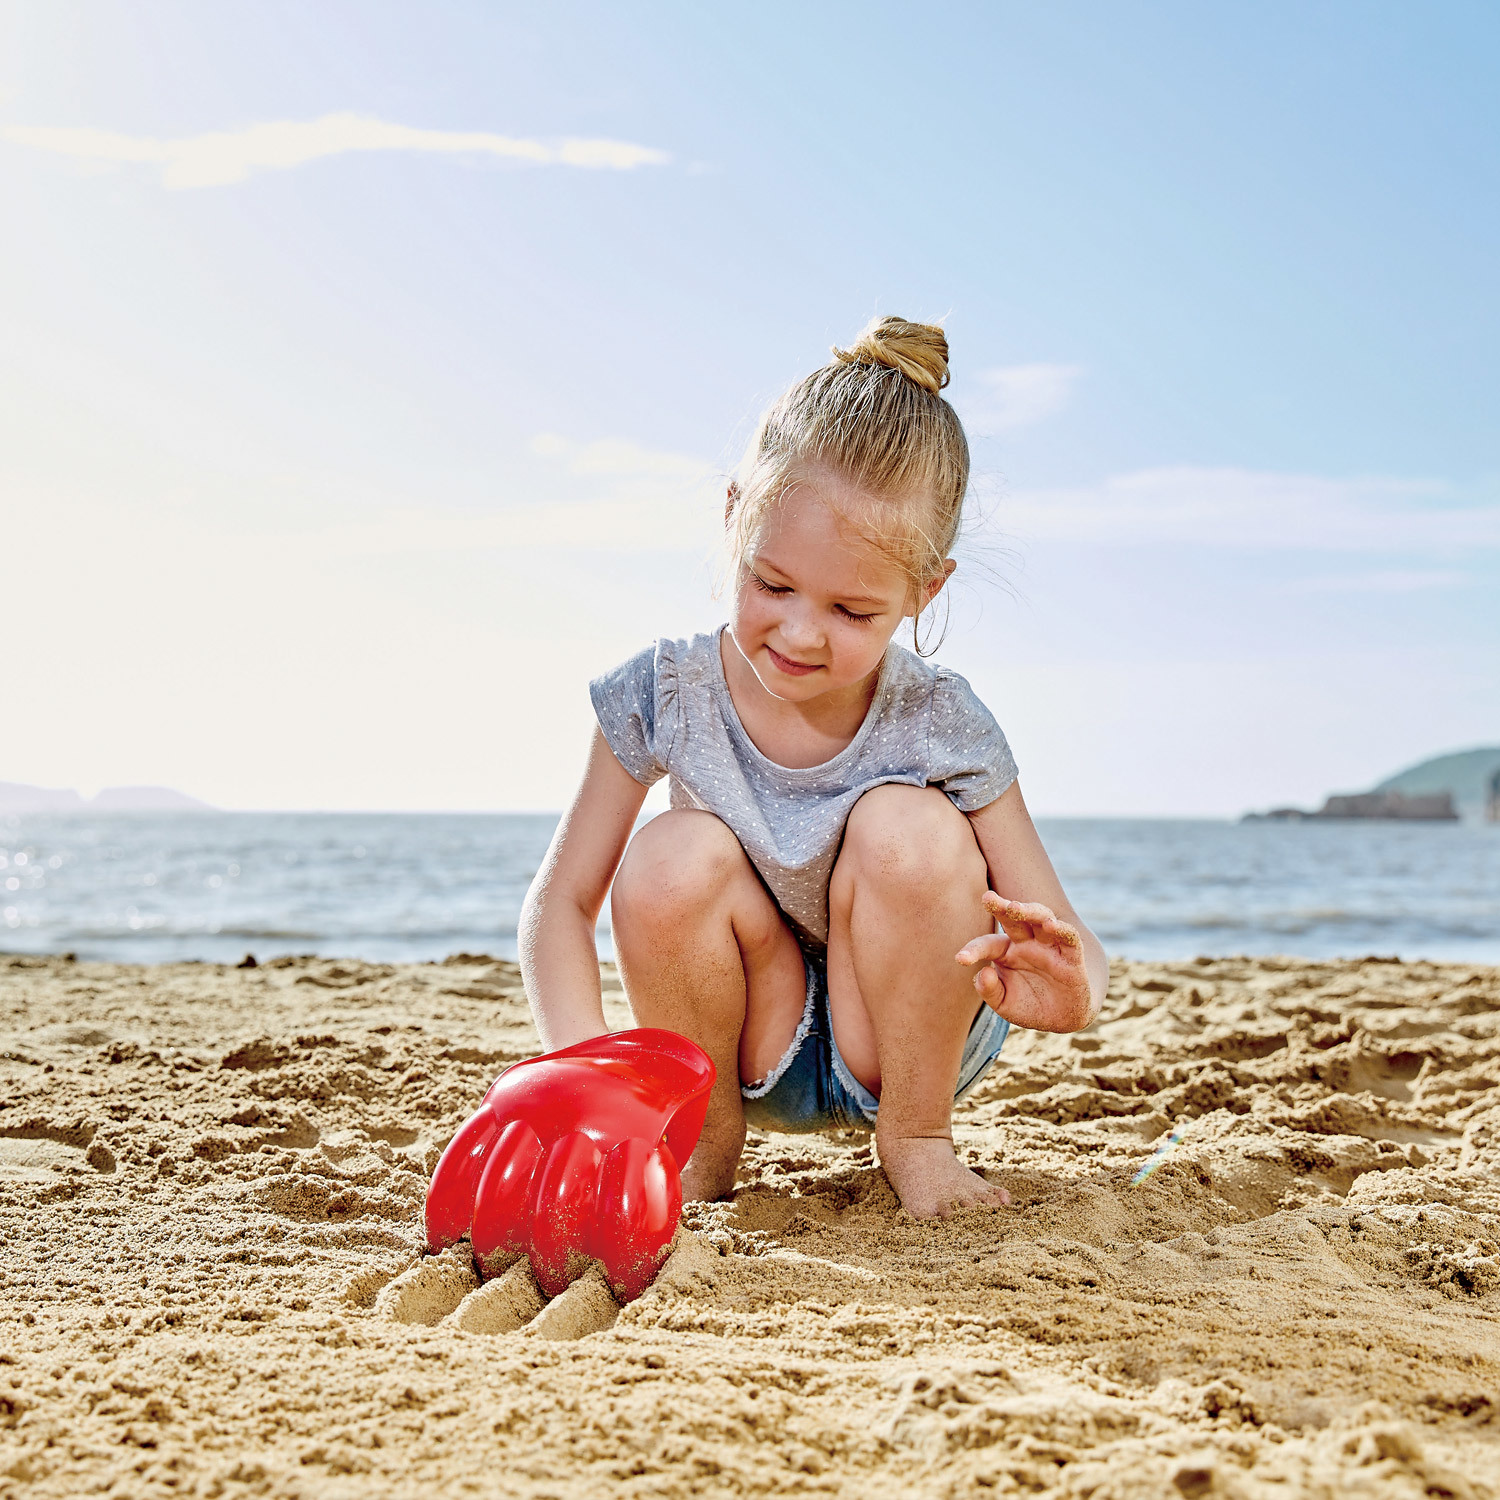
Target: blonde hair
point(874, 414)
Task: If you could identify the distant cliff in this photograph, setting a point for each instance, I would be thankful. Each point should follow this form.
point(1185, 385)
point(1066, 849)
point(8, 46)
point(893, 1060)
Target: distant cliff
point(1469, 775)
point(1435, 807)
point(17, 798)
point(1464, 785)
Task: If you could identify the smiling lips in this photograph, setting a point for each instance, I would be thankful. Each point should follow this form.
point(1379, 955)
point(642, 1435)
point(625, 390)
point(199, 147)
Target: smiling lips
point(787, 665)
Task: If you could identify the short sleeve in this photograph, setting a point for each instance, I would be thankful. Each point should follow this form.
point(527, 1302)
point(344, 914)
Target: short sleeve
point(968, 755)
point(625, 703)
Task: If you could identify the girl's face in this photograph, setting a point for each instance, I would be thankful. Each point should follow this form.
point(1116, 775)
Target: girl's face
point(816, 604)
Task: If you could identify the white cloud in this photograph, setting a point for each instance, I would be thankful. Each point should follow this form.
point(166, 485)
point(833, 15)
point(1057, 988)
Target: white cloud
point(617, 459)
point(603, 496)
point(1008, 397)
point(1389, 581)
point(1242, 508)
point(315, 605)
point(226, 156)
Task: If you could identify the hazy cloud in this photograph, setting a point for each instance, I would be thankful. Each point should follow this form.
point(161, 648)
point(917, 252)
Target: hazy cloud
point(1387, 581)
point(619, 459)
point(1008, 397)
point(1251, 509)
point(608, 495)
point(227, 156)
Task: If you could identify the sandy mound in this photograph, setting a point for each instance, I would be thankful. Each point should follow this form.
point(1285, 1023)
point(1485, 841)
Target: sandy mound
point(211, 1182)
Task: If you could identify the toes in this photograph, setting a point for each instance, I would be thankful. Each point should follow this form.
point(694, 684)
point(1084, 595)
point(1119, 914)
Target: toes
point(976, 1193)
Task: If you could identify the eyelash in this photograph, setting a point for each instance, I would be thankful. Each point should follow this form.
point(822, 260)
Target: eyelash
point(776, 590)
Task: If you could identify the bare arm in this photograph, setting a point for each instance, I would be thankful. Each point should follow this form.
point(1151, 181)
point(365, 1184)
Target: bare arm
point(559, 960)
point(1044, 969)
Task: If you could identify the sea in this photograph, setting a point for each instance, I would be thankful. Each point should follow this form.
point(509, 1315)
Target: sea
point(396, 887)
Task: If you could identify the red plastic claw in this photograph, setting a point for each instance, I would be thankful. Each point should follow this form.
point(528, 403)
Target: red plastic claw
point(500, 1198)
point(575, 1154)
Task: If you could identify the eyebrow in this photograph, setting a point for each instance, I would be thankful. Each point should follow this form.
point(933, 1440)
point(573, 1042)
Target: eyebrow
point(762, 561)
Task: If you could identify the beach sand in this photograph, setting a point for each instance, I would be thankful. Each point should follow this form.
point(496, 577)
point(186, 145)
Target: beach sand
point(211, 1183)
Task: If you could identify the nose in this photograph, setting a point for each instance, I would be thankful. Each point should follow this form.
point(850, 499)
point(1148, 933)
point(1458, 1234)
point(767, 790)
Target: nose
point(801, 630)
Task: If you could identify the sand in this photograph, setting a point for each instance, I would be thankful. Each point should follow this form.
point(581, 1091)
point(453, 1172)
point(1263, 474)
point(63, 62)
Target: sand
point(211, 1182)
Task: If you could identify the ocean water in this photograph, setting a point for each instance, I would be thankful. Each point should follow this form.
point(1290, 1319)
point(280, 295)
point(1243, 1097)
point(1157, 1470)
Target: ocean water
point(146, 887)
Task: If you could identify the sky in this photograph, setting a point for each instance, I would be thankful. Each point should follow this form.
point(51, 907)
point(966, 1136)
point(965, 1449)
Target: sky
point(370, 374)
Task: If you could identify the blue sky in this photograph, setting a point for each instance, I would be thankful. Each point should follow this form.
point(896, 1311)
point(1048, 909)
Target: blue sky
point(335, 456)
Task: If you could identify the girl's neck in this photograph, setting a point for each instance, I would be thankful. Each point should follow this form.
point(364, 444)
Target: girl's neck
point(795, 735)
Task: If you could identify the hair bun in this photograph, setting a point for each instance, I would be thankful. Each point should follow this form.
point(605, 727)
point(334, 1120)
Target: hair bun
point(918, 350)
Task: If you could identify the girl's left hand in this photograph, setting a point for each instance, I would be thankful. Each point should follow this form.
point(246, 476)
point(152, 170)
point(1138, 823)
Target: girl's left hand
point(1032, 971)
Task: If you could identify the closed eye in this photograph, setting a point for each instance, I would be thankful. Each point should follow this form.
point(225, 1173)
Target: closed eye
point(776, 590)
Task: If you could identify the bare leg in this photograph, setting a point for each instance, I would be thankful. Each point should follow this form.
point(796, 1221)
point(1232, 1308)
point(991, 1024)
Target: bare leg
point(905, 897)
point(704, 951)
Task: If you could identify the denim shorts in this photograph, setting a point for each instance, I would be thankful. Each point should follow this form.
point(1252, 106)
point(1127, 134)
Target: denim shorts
point(811, 1088)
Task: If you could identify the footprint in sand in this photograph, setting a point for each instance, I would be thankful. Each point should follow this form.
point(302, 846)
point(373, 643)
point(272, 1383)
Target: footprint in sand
point(40, 1153)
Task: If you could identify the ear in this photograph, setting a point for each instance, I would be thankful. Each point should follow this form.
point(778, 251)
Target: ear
point(731, 499)
point(935, 585)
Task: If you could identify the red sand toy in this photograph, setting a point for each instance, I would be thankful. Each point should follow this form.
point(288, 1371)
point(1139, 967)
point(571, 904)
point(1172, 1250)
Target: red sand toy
point(575, 1153)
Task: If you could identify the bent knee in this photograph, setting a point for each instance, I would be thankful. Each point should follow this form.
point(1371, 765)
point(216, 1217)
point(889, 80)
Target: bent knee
point(678, 864)
point(911, 837)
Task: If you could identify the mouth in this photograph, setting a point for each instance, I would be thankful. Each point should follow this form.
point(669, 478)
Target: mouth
point(790, 667)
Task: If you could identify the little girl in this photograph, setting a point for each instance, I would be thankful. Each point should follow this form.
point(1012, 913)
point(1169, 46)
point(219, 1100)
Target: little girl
point(818, 910)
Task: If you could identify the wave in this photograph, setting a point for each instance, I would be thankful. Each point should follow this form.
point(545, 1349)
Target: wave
point(1296, 924)
point(398, 887)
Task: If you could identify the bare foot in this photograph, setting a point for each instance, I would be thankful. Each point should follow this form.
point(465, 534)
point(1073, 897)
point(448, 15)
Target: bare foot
point(930, 1180)
point(709, 1173)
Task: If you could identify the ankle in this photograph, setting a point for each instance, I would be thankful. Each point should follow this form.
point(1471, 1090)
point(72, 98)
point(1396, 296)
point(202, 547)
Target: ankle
point(913, 1137)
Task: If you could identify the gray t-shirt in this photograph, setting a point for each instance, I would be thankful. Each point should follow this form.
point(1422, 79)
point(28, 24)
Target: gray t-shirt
point(667, 712)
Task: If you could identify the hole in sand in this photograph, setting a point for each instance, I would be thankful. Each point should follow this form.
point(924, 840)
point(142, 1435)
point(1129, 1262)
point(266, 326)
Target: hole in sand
point(1405, 1065)
point(71, 1034)
point(586, 1307)
point(36, 1160)
point(431, 1289)
point(503, 1305)
point(446, 1289)
point(365, 1286)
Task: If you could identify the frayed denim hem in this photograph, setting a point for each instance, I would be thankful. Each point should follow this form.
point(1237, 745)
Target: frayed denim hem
point(769, 1082)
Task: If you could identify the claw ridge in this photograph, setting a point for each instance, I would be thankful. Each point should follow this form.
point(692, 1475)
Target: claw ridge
point(575, 1154)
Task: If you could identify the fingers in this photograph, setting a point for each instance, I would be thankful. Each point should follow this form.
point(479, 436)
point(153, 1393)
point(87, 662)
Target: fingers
point(990, 985)
point(1032, 937)
point(987, 949)
point(1030, 921)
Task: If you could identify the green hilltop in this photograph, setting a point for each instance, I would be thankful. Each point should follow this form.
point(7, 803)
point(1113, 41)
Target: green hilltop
point(1468, 774)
